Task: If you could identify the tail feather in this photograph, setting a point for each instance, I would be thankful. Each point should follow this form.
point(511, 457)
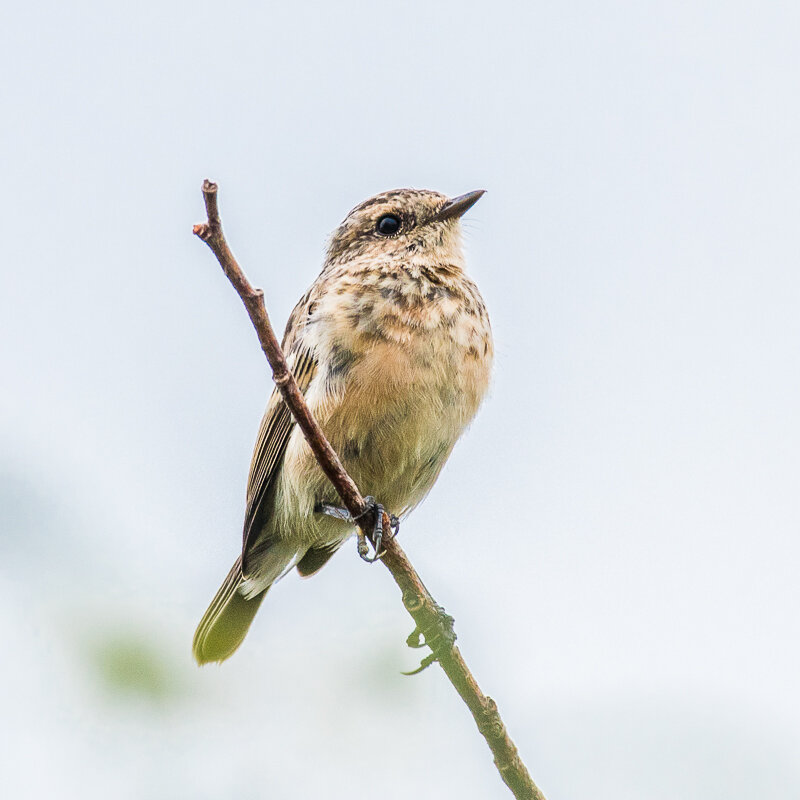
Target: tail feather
point(227, 620)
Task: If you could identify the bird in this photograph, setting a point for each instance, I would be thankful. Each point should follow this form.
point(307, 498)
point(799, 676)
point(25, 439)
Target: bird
point(392, 348)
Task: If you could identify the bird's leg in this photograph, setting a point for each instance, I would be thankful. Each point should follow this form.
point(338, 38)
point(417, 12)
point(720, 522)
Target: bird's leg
point(372, 507)
point(330, 510)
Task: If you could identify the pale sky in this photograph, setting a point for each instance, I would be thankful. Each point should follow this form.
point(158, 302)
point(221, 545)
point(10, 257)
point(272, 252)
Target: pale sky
point(616, 535)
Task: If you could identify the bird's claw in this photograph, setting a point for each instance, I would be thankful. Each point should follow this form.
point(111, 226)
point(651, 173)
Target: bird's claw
point(370, 507)
point(363, 547)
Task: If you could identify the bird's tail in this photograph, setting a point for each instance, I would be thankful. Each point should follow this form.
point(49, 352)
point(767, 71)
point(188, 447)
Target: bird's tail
point(227, 620)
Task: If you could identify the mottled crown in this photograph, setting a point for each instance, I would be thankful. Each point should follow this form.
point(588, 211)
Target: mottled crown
point(419, 231)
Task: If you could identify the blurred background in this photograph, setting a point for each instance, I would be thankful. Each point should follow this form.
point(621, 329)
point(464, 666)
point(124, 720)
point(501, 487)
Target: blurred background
point(636, 614)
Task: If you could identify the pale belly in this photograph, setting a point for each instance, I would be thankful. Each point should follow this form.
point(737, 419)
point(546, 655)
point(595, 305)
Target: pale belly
point(393, 418)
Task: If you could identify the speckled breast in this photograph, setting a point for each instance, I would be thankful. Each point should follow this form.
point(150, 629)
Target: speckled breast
point(407, 356)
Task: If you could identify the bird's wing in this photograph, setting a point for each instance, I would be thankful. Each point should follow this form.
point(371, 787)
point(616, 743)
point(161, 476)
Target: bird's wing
point(273, 436)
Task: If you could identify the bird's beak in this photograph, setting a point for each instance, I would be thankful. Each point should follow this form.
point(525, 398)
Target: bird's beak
point(458, 205)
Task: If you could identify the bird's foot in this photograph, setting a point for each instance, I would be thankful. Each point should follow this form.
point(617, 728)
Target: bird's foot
point(330, 510)
point(371, 508)
point(376, 509)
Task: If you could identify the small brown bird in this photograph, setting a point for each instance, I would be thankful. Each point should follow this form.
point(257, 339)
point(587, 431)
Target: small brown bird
point(392, 349)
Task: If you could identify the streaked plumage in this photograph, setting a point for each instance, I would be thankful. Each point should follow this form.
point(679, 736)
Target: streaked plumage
point(392, 349)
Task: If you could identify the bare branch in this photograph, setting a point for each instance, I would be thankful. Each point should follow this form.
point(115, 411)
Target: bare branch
point(434, 628)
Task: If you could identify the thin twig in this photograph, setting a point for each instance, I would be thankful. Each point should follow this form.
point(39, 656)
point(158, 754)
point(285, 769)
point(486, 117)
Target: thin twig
point(434, 627)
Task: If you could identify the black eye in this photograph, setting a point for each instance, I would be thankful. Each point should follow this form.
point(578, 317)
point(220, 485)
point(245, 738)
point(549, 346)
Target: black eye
point(388, 225)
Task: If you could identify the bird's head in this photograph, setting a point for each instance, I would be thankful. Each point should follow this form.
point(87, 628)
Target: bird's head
point(403, 225)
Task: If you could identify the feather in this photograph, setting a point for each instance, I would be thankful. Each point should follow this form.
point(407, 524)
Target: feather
point(273, 436)
point(227, 620)
point(316, 558)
